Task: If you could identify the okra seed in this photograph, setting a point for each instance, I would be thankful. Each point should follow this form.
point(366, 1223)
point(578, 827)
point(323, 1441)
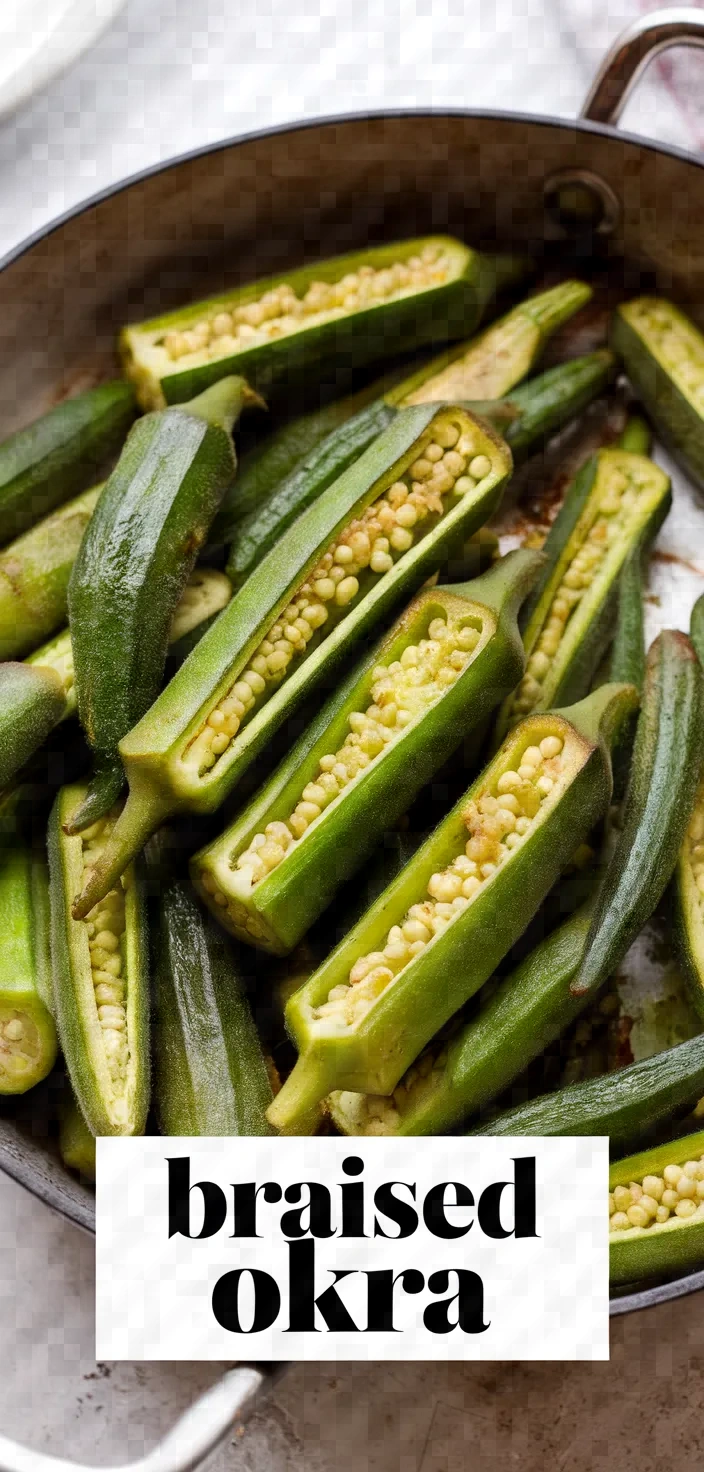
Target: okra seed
point(685, 1208)
point(619, 1222)
point(637, 1217)
point(479, 466)
point(433, 452)
point(14, 1030)
point(670, 1198)
point(653, 1186)
point(671, 1174)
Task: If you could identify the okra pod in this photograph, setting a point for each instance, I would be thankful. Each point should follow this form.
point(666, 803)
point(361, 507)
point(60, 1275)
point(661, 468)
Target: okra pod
point(656, 1211)
point(34, 574)
point(434, 677)
point(688, 885)
point(667, 760)
point(60, 454)
point(32, 702)
point(132, 565)
point(101, 989)
point(469, 1064)
point(615, 505)
point(374, 536)
point(439, 931)
point(335, 315)
point(627, 1105)
point(210, 1075)
point(663, 353)
point(76, 1142)
point(27, 1034)
point(278, 480)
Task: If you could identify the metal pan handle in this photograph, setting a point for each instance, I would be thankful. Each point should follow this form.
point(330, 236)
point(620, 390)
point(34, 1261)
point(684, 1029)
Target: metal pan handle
point(632, 52)
point(220, 1411)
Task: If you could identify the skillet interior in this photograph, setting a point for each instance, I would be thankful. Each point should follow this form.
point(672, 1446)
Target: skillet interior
point(276, 199)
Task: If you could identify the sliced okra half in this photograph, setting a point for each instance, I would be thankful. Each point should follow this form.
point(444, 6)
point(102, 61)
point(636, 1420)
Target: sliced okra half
point(435, 676)
point(663, 353)
point(616, 504)
point(34, 575)
point(349, 310)
point(656, 1211)
point(28, 1043)
point(100, 979)
point(438, 932)
point(433, 477)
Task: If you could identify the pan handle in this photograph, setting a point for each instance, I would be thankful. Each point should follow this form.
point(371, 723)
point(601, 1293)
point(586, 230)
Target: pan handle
point(220, 1411)
point(632, 52)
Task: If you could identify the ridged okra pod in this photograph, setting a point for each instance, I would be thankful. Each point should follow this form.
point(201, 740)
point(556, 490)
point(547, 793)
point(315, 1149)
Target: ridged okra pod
point(76, 1142)
point(435, 676)
point(615, 506)
point(139, 548)
point(665, 770)
point(32, 702)
point(60, 454)
point(628, 1105)
point(656, 1211)
point(663, 353)
point(525, 419)
point(101, 987)
point(34, 575)
point(333, 316)
point(280, 478)
point(688, 881)
point(373, 537)
point(210, 1075)
point(469, 1064)
point(27, 1033)
point(439, 931)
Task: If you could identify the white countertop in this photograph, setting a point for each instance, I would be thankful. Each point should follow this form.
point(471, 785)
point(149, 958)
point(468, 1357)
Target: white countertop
point(167, 76)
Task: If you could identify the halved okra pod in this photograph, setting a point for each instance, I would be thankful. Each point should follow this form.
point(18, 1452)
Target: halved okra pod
point(372, 538)
point(100, 980)
point(437, 933)
point(616, 504)
point(665, 770)
point(628, 1105)
point(32, 702)
point(356, 770)
point(60, 454)
point(334, 315)
point(469, 1064)
point(656, 1211)
point(210, 1073)
point(279, 479)
point(132, 566)
point(27, 1033)
point(34, 576)
point(663, 353)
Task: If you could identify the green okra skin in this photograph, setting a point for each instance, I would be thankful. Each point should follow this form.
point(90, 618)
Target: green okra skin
point(316, 327)
point(628, 649)
point(132, 567)
point(32, 702)
point(76, 1142)
point(210, 1075)
point(34, 576)
point(359, 1023)
point(627, 1105)
point(60, 454)
point(172, 759)
point(663, 353)
point(615, 506)
point(275, 910)
point(667, 760)
point(547, 403)
point(647, 1244)
point(462, 1071)
point(687, 891)
point(100, 981)
point(281, 479)
point(636, 436)
point(28, 1044)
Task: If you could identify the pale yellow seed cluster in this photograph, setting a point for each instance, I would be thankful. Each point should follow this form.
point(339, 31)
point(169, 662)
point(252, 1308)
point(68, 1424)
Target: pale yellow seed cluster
point(678, 344)
point(613, 515)
point(497, 823)
point(401, 693)
point(279, 311)
point(695, 846)
point(367, 549)
point(105, 927)
point(19, 1044)
point(678, 1193)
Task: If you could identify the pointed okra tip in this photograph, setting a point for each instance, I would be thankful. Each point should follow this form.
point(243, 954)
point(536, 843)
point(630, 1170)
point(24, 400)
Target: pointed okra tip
point(306, 1086)
point(139, 819)
point(103, 791)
